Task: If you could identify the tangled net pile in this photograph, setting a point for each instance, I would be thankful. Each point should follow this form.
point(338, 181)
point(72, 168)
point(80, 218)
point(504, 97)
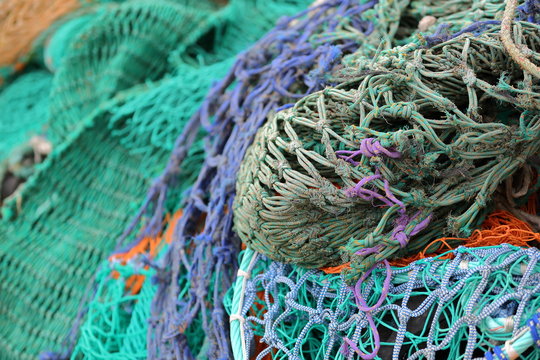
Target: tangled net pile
point(380, 132)
point(413, 147)
point(109, 141)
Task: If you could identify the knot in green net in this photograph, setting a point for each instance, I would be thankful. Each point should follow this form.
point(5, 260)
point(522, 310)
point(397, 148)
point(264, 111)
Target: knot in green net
point(411, 145)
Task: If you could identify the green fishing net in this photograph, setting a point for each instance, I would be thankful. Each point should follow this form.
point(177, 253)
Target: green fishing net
point(419, 136)
point(110, 140)
point(123, 47)
point(24, 105)
point(125, 84)
point(115, 326)
point(460, 305)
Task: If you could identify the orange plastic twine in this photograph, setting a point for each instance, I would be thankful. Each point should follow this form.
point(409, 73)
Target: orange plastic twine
point(500, 227)
point(21, 22)
point(147, 245)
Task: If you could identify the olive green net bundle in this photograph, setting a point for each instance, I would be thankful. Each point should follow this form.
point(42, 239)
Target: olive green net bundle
point(412, 145)
point(123, 88)
point(482, 301)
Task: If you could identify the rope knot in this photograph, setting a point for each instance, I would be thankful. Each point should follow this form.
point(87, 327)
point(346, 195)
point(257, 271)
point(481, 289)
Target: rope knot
point(224, 253)
point(469, 78)
point(280, 166)
point(293, 146)
point(321, 125)
point(342, 169)
point(270, 134)
point(400, 236)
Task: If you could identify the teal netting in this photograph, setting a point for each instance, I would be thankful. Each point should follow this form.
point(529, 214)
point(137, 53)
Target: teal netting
point(482, 300)
point(128, 84)
point(24, 105)
point(68, 215)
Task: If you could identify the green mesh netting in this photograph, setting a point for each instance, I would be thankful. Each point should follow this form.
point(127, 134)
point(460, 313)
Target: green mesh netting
point(480, 300)
point(121, 48)
point(93, 329)
point(116, 311)
point(92, 343)
point(56, 45)
point(110, 141)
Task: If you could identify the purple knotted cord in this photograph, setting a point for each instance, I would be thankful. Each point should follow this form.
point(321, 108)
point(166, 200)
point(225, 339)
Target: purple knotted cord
point(362, 306)
point(403, 221)
point(388, 199)
point(369, 147)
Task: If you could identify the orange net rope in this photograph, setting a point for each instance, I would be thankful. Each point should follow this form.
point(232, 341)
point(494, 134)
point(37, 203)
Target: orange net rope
point(148, 245)
point(21, 22)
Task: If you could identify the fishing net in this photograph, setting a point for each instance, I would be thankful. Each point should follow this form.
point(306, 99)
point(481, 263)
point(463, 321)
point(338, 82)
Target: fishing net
point(53, 238)
point(481, 300)
point(500, 227)
point(63, 223)
point(143, 130)
point(23, 21)
point(116, 322)
point(126, 82)
point(191, 255)
point(247, 71)
point(122, 47)
point(263, 78)
point(24, 112)
point(56, 41)
point(358, 172)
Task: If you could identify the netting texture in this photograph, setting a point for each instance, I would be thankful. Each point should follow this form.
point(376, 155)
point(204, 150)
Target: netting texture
point(24, 105)
point(392, 136)
point(480, 301)
point(143, 128)
point(263, 78)
point(67, 217)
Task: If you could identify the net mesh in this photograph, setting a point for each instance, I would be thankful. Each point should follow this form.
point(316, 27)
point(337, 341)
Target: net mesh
point(121, 48)
point(191, 294)
point(261, 79)
point(146, 132)
point(24, 106)
point(64, 222)
point(457, 308)
point(135, 74)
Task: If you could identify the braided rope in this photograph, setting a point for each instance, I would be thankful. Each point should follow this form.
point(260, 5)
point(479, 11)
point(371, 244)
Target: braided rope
point(506, 36)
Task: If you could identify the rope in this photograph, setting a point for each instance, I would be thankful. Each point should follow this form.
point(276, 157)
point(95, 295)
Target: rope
point(506, 35)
